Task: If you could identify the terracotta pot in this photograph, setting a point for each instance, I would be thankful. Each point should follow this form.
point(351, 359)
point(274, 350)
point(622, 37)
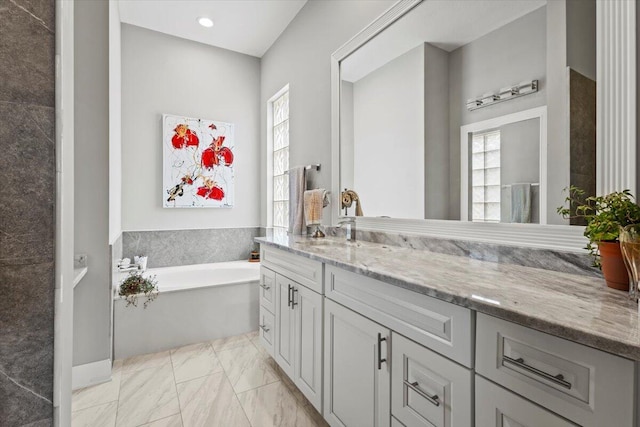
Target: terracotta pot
point(613, 268)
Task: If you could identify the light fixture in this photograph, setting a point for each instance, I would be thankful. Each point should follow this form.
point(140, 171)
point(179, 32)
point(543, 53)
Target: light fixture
point(205, 22)
point(505, 94)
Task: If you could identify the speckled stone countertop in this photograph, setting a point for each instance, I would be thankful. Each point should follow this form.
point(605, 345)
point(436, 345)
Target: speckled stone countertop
point(576, 307)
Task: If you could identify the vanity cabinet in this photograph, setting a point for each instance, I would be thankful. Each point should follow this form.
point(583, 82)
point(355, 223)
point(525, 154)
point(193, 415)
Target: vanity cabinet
point(357, 371)
point(298, 325)
point(586, 386)
point(496, 406)
point(428, 389)
point(369, 353)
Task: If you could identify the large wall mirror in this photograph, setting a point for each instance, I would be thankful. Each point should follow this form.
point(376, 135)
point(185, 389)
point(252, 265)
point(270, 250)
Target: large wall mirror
point(470, 115)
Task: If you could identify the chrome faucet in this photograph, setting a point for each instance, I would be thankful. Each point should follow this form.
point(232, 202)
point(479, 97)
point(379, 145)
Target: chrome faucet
point(349, 224)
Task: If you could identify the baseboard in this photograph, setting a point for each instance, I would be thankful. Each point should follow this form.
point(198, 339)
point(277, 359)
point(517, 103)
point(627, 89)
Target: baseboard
point(90, 374)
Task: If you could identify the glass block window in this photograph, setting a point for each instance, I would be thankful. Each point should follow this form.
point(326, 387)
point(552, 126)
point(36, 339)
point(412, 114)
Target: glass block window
point(280, 136)
point(485, 177)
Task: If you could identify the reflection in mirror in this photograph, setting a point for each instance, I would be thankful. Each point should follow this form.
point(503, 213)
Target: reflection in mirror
point(502, 168)
point(424, 104)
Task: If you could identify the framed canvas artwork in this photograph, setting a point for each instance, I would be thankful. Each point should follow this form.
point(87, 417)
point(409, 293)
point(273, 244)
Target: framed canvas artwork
point(198, 163)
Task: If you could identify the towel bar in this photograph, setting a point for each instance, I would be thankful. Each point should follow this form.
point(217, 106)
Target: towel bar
point(308, 167)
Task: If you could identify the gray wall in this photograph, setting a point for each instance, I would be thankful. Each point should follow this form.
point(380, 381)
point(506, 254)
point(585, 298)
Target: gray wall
point(388, 122)
point(91, 312)
point(301, 58)
point(436, 133)
point(165, 74)
point(509, 55)
point(27, 171)
point(520, 145)
point(184, 247)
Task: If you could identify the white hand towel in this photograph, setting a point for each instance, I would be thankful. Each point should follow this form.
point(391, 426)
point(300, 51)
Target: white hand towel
point(521, 202)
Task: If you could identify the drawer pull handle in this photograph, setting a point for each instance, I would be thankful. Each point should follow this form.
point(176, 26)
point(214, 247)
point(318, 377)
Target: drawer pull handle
point(289, 296)
point(265, 287)
point(293, 297)
point(380, 359)
point(414, 386)
point(264, 328)
point(519, 362)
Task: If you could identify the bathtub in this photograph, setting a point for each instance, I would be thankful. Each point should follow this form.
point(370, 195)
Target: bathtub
point(196, 303)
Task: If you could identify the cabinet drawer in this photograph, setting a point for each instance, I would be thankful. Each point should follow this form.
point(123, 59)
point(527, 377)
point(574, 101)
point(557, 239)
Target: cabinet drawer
point(297, 268)
point(265, 328)
point(267, 288)
point(443, 327)
point(498, 407)
point(426, 388)
point(573, 380)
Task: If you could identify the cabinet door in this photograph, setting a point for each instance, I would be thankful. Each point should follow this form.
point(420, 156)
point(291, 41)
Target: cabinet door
point(496, 406)
point(267, 288)
point(266, 329)
point(308, 345)
point(356, 369)
point(428, 389)
point(285, 325)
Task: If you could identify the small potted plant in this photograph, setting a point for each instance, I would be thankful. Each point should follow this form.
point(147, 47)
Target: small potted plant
point(135, 285)
point(604, 215)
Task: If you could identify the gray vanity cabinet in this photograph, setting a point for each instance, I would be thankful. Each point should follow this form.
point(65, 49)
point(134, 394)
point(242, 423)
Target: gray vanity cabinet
point(285, 325)
point(428, 389)
point(357, 369)
point(496, 406)
point(297, 319)
point(298, 337)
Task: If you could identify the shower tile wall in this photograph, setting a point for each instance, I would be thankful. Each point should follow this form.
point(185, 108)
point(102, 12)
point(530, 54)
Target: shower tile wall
point(183, 247)
point(27, 173)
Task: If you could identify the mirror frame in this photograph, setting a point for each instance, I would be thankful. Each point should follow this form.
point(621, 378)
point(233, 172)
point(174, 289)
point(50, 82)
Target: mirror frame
point(615, 139)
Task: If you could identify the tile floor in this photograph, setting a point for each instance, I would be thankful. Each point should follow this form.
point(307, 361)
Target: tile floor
point(227, 382)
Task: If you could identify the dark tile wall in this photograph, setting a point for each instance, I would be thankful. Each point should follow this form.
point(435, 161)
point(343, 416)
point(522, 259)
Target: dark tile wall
point(582, 138)
point(27, 174)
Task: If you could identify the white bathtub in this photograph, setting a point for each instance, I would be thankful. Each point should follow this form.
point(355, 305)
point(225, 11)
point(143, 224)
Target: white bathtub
point(201, 275)
point(196, 303)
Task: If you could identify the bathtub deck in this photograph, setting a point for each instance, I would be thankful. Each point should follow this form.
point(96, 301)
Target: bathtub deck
point(225, 382)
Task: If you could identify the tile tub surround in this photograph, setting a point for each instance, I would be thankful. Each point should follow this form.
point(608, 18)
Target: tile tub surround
point(226, 382)
point(576, 307)
point(183, 247)
point(566, 262)
point(27, 169)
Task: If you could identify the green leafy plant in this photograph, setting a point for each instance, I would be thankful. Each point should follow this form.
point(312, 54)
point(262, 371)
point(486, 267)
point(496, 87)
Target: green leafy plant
point(604, 215)
point(135, 285)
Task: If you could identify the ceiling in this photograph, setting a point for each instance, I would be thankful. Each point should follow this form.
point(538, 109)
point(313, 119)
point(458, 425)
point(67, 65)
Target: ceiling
point(447, 24)
point(247, 26)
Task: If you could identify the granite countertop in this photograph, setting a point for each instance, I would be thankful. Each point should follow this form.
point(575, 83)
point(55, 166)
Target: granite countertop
point(576, 307)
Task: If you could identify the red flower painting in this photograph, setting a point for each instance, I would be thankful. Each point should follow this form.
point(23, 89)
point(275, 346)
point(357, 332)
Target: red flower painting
point(195, 174)
point(184, 137)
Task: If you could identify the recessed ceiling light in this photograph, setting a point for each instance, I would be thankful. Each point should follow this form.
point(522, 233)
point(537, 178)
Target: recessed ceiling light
point(205, 22)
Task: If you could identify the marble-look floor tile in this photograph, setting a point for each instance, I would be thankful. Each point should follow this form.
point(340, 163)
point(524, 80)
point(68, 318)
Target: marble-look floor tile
point(252, 335)
point(245, 368)
point(147, 395)
point(96, 416)
point(172, 421)
point(210, 401)
point(194, 361)
point(101, 393)
point(145, 361)
point(229, 342)
point(275, 405)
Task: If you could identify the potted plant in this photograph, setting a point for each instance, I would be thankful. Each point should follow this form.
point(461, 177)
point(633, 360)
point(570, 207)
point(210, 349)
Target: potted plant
point(604, 215)
point(135, 285)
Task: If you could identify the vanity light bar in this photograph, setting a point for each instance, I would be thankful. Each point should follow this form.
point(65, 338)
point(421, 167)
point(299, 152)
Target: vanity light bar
point(505, 94)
